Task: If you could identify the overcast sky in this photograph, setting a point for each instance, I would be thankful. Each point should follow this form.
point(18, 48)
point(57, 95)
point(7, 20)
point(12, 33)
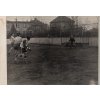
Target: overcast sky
point(47, 19)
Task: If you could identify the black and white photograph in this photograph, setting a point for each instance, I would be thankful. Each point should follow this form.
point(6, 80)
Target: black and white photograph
point(52, 50)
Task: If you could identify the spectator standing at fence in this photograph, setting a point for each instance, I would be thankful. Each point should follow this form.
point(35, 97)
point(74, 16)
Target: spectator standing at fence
point(72, 41)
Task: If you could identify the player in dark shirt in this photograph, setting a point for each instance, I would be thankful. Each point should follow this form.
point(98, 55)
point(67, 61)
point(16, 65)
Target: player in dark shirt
point(72, 41)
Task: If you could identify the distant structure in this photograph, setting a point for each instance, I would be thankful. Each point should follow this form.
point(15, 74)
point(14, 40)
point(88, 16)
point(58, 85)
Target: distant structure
point(37, 28)
point(32, 27)
point(61, 26)
point(13, 29)
point(75, 18)
point(20, 26)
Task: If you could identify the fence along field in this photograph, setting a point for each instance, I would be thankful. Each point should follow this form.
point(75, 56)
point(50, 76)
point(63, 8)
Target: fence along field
point(92, 41)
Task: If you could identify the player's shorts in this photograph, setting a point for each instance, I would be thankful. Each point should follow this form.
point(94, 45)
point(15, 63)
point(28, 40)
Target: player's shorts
point(24, 49)
point(17, 46)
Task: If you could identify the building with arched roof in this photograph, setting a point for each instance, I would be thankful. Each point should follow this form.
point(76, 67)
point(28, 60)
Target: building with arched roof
point(61, 24)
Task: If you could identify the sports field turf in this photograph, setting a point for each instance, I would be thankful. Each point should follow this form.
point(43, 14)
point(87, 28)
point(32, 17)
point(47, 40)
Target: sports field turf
point(55, 65)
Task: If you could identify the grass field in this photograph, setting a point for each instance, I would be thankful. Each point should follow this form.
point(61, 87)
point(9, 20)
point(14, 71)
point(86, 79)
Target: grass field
point(55, 65)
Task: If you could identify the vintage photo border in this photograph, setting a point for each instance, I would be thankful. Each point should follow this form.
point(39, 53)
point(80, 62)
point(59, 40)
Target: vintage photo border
point(3, 53)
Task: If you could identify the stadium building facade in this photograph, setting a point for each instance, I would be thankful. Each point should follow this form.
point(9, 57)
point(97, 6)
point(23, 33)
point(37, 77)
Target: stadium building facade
point(33, 27)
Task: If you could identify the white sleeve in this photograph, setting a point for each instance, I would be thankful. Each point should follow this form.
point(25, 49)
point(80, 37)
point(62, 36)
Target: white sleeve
point(21, 44)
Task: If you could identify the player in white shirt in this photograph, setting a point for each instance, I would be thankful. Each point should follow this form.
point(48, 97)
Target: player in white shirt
point(17, 41)
point(15, 44)
point(24, 45)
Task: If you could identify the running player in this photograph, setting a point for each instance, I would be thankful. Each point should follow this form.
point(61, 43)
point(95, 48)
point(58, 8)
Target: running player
point(24, 45)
